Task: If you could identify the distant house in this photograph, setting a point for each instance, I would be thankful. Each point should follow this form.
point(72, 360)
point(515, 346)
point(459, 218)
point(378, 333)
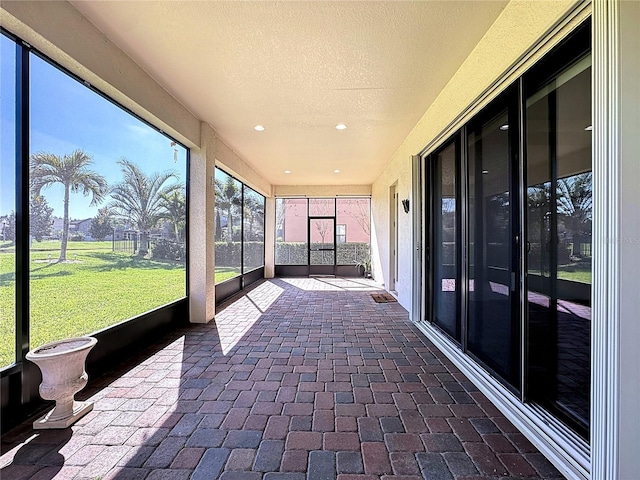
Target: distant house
point(81, 227)
point(56, 228)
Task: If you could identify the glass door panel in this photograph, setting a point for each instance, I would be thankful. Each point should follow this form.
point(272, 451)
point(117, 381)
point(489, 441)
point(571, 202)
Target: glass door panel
point(559, 216)
point(322, 246)
point(493, 332)
point(445, 261)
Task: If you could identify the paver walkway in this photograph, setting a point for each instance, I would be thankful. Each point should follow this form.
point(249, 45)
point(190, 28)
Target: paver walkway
point(297, 379)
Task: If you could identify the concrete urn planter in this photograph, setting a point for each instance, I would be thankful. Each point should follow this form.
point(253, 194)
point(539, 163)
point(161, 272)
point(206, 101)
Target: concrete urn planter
point(63, 375)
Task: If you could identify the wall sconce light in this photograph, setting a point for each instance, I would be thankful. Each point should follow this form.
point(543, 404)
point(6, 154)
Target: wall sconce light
point(405, 205)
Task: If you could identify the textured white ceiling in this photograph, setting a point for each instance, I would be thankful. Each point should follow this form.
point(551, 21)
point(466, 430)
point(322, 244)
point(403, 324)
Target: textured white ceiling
point(300, 68)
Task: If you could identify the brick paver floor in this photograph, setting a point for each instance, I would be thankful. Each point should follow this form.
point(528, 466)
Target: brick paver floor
point(296, 379)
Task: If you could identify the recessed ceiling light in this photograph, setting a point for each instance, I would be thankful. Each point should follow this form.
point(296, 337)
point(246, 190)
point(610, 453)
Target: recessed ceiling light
point(287, 172)
point(589, 128)
point(336, 171)
point(504, 127)
point(484, 172)
point(259, 128)
point(341, 126)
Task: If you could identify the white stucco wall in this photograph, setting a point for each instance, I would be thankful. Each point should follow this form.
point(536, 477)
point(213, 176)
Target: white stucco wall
point(629, 262)
point(520, 26)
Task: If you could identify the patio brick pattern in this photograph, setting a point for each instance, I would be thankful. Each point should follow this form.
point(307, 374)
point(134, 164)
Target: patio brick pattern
point(296, 379)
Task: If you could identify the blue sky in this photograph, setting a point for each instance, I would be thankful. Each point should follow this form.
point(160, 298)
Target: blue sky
point(65, 116)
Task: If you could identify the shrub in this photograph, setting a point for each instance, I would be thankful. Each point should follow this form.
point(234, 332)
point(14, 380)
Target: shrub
point(296, 253)
point(168, 250)
point(229, 254)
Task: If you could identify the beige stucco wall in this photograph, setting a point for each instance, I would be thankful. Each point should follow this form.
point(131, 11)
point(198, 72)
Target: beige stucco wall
point(201, 227)
point(321, 190)
point(519, 27)
point(233, 163)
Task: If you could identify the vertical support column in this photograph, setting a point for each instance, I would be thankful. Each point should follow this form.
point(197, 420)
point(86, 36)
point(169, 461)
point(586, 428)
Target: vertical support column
point(269, 237)
point(615, 429)
point(201, 226)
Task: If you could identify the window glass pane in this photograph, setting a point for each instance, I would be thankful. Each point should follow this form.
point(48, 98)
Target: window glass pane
point(7, 201)
point(493, 325)
point(253, 231)
point(559, 217)
point(107, 211)
point(291, 231)
point(353, 216)
point(445, 248)
point(228, 226)
point(322, 207)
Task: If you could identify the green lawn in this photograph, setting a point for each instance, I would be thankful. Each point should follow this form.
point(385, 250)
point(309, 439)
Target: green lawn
point(225, 273)
point(96, 289)
point(576, 272)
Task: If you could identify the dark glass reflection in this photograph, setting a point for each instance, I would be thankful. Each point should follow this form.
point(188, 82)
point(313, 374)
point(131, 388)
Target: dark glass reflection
point(559, 216)
point(446, 280)
point(493, 329)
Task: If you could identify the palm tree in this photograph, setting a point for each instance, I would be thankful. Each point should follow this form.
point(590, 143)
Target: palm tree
point(138, 198)
point(575, 207)
point(175, 210)
point(575, 197)
point(253, 214)
point(229, 199)
point(73, 173)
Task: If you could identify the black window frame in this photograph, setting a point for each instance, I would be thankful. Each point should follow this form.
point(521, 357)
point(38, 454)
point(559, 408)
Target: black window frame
point(231, 286)
point(19, 380)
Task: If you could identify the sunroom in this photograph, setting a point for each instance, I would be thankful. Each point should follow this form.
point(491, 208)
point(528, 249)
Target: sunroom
point(477, 160)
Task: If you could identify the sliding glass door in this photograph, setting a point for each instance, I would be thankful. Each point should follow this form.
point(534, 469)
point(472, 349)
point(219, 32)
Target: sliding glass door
point(509, 213)
point(493, 309)
point(445, 281)
point(559, 215)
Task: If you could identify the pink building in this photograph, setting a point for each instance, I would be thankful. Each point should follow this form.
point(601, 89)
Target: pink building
point(352, 219)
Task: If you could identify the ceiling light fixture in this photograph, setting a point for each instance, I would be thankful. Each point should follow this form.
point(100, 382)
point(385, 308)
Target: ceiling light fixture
point(259, 128)
point(336, 171)
point(504, 127)
point(287, 172)
point(484, 172)
point(341, 126)
point(589, 128)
